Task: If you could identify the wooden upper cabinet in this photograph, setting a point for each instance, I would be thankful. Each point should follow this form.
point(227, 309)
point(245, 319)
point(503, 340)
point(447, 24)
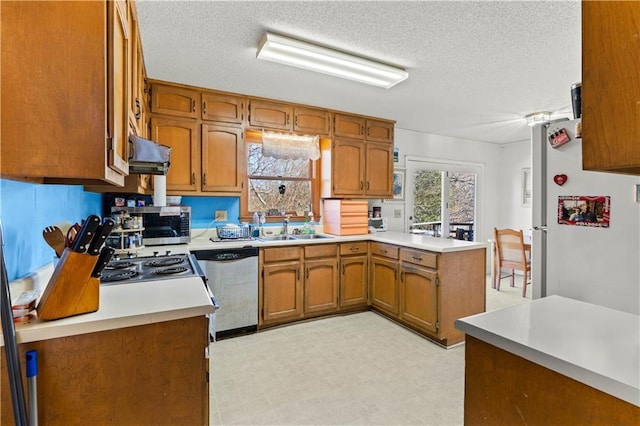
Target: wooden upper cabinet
point(137, 76)
point(223, 158)
point(222, 107)
point(380, 131)
point(119, 77)
point(349, 126)
point(611, 86)
point(270, 115)
point(173, 100)
point(311, 120)
point(347, 168)
point(182, 136)
point(379, 170)
point(64, 102)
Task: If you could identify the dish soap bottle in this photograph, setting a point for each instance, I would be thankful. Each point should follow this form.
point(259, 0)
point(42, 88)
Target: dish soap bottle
point(256, 225)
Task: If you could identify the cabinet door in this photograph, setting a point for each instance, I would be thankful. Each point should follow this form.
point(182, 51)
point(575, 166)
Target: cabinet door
point(347, 167)
point(419, 297)
point(282, 292)
point(221, 107)
point(384, 284)
point(380, 131)
point(172, 100)
point(611, 86)
point(348, 126)
point(270, 115)
point(310, 120)
point(118, 86)
point(222, 158)
point(181, 136)
point(320, 285)
point(379, 166)
point(354, 280)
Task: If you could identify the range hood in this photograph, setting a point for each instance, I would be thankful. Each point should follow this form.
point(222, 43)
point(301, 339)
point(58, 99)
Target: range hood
point(148, 157)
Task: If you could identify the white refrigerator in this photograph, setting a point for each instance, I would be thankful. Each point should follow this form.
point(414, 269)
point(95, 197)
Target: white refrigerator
point(586, 225)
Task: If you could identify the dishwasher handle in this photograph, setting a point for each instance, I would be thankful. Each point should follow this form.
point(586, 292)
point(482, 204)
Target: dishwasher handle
point(226, 255)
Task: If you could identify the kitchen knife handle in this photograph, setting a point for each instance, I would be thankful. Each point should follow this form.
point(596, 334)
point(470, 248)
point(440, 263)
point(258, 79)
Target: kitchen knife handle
point(105, 256)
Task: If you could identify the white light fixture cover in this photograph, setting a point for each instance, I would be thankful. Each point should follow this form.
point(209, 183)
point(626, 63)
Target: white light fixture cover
point(300, 54)
point(537, 118)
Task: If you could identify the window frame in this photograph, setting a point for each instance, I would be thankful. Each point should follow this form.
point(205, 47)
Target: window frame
point(252, 137)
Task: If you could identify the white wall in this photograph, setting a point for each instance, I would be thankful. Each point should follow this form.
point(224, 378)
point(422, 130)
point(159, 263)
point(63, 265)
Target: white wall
point(435, 147)
point(511, 214)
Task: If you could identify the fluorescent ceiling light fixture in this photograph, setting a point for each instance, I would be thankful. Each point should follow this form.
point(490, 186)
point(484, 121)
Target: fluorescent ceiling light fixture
point(537, 118)
point(300, 54)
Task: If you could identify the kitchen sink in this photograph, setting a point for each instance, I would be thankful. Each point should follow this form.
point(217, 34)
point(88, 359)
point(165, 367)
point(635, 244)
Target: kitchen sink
point(310, 237)
point(276, 238)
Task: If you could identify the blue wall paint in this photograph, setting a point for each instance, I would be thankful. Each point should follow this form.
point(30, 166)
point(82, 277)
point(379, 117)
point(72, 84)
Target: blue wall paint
point(26, 208)
point(203, 208)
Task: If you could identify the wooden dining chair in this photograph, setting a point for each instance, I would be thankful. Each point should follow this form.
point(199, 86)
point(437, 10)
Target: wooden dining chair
point(511, 254)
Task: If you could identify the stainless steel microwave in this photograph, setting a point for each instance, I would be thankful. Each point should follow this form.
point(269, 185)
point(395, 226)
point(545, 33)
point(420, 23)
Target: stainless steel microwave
point(162, 225)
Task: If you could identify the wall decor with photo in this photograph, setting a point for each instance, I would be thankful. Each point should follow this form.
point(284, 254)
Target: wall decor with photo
point(584, 210)
point(398, 184)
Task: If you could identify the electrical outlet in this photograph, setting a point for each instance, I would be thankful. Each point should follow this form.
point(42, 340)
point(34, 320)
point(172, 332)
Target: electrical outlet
point(221, 215)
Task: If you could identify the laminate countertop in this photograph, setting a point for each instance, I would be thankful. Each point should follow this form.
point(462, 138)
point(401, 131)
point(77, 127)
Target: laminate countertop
point(591, 344)
point(126, 305)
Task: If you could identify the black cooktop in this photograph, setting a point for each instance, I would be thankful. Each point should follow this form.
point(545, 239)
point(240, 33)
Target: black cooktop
point(148, 268)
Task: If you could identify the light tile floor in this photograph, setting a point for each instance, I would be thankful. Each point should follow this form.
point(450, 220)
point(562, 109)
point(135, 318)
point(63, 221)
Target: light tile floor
point(359, 369)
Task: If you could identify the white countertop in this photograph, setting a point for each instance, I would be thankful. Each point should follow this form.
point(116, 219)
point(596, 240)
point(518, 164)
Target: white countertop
point(591, 344)
point(127, 305)
point(439, 245)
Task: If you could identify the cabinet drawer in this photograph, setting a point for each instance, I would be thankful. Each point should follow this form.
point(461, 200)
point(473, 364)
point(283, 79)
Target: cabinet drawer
point(385, 250)
point(281, 253)
point(423, 258)
point(353, 248)
point(320, 250)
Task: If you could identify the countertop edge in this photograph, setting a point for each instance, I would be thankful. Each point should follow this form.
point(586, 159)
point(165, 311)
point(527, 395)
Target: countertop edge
point(583, 375)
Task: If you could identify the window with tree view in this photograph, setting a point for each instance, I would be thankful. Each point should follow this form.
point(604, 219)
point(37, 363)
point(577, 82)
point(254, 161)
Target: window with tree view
point(278, 184)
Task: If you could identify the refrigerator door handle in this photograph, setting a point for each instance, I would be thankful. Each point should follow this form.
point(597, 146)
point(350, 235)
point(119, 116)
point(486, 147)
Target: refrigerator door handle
point(540, 228)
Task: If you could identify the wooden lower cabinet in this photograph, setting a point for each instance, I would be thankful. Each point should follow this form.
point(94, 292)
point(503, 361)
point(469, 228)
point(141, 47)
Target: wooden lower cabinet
point(354, 275)
point(282, 292)
point(419, 297)
point(384, 284)
point(153, 374)
point(422, 290)
point(321, 286)
point(502, 388)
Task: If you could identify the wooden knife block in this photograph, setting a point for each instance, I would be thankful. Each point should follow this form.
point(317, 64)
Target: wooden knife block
point(71, 290)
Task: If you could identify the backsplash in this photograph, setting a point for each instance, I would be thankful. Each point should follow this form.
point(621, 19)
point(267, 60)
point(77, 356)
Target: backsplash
point(26, 208)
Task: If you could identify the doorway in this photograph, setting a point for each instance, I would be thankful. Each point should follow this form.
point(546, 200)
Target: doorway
point(441, 198)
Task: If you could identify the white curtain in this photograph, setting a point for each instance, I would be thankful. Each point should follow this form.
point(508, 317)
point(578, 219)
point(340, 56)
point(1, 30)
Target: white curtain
point(288, 146)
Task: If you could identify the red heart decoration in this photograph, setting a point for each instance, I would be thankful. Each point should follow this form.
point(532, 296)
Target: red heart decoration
point(560, 179)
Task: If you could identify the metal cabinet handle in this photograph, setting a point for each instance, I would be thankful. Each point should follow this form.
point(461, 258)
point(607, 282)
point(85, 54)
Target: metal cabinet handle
point(354, 249)
point(367, 185)
point(361, 129)
point(343, 269)
point(204, 179)
point(287, 119)
point(193, 178)
point(417, 259)
point(401, 276)
point(361, 185)
point(295, 121)
point(298, 274)
point(368, 131)
point(384, 251)
point(193, 105)
point(307, 273)
point(242, 111)
point(138, 113)
point(204, 108)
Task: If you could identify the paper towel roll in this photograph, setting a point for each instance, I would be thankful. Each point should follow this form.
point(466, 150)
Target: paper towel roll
point(159, 190)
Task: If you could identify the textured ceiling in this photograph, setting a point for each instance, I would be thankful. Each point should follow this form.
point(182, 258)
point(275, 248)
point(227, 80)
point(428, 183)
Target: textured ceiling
point(475, 67)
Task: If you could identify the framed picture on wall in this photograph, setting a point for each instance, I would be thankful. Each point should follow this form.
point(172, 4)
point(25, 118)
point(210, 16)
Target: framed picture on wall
point(398, 184)
point(526, 187)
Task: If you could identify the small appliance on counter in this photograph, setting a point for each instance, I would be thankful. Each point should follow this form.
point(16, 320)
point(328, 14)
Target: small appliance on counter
point(378, 223)
point(162, 225)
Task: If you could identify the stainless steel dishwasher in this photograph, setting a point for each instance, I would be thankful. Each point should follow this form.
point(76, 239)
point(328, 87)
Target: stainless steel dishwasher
point(232, 276)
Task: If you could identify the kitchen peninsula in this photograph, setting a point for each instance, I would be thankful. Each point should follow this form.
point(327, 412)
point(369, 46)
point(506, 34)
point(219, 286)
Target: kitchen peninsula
point(552, 361)
point(141, 358)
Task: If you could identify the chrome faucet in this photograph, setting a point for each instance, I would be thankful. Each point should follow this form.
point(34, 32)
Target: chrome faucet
point(285, 226)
